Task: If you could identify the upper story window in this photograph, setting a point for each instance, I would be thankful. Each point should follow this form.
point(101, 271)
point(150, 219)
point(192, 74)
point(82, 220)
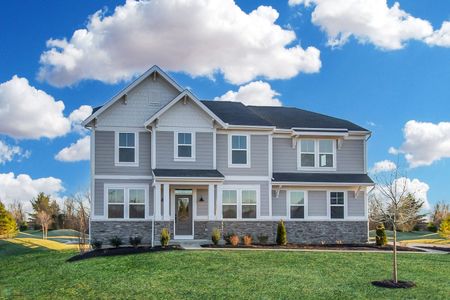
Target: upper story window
point(239, 151)
point(126, 149)
point(337, 200)
point(316, 154)
point(184, 146)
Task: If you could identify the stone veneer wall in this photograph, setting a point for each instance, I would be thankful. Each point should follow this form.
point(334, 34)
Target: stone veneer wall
point(105, 230)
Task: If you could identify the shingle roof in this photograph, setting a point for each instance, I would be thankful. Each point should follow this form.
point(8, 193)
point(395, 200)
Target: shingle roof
point(96, 108)
point(187, 173)
point(322, 177)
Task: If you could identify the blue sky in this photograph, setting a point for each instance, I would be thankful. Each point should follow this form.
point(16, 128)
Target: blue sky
point(361, 79)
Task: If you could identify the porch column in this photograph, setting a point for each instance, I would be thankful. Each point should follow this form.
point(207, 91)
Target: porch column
point(157, 202)
point(219, 204)
point(211, 207)
point(166, 202)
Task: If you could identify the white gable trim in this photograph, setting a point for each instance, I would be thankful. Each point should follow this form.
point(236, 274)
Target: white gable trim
point(129, 88)
point(185, 93)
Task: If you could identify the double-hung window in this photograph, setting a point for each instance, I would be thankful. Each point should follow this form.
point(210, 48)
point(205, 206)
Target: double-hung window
point(316, 154)
point(337, 205)
point(248, 204)
point(126, 151)
point(184, 149)
point(240, 203)
point(296, 205)
point(229, 204)
point(239, 154)
point(126, 202)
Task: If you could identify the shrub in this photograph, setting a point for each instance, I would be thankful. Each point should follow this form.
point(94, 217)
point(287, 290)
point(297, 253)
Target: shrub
point(23, 226)
point(8, 226)
point(165, 237)
point(432, 227)
point(96, 244)
point(234, 240)
point(116, 241)
point(135, 240)
point(281, 234)
point(215, 236)
point(262, 239)
point(227, 237)
point(381, 238)
point(247, 240)
point(444, 229)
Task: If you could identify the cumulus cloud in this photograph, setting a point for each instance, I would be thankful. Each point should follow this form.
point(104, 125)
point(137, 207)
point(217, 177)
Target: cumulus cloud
point(23, 188)
point(370, 21)
point(255, 93)
point(425, 142)
point(383, 166)
point(78, 116)
point(200, 38)
point(440, 37)
point(80, 150)
point(8, 153)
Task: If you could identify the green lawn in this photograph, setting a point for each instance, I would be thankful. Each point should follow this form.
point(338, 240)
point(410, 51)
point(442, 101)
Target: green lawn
point(425, 237)
point(37, 273)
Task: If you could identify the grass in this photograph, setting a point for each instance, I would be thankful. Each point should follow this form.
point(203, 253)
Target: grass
point(43, 274)
point(424, 237)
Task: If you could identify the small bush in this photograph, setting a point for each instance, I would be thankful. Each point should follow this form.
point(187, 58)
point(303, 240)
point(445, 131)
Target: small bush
point(431, 227)
point(165, 237)
point(234, 240)
point(23, 226)
point(215, 236)
point(444, 229)
point(381, 238)
point(247, 240)
point(135, 240)
point(262, 239)
point(281, 234)
point(115, 241)
point(96, 244)
point(227, 237)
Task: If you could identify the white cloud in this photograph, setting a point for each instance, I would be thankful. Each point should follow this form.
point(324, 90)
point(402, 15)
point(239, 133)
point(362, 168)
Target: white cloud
point(440, 37)
point(23, 188)
point(200, 38)
point(8, 153)
point(26, 112)
point(383, 166)
point(75, 152)
point(371, 21)
point(370, 123)
point(425, 142)
point(255, 93)
point(78, 116)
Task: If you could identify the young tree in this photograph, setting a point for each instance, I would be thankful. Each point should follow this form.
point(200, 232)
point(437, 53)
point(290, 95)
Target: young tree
point(444, 228)
point(18, 213)
point(81, 204)
point(8, 226)
point(40, 203)
point(391, 205)
point(44, 219)
point(440, 212)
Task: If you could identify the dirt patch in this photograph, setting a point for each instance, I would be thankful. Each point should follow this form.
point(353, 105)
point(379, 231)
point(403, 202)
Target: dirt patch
point(394, 285)
point(358, 247)
point(121, 251)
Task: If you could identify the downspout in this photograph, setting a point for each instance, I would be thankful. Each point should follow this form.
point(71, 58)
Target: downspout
point(153, 184)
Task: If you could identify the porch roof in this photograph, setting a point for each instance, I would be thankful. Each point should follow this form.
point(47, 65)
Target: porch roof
point(187, 173)
point(323, 178)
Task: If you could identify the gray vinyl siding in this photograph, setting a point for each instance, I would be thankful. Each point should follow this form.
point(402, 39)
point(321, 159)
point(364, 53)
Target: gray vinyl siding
point(349, 159)
point(264, 194)
point(317, 203)
point(202, 206)
point(165, 151)
point(259, 156)
point(279, 204)
point(355, 207)
point(99, 200)
point(104, 155)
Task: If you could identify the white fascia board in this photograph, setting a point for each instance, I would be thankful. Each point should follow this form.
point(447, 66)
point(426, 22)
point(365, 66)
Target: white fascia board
point(296, 183)
point(130, 87)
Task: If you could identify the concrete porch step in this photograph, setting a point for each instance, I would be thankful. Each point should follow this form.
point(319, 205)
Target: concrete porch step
point(190, 244)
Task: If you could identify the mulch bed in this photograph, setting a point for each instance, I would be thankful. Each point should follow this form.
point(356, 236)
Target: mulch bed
point(122, 251)
point(400, 284)
point(368, 247)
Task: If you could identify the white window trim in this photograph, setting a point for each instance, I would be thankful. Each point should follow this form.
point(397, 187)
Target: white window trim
point(175, 146)
point(126, 188)
point(305, 204)
point(316, 156)
point(239, 189)
point(136, 150)
point(329, 205)
point(230, 151)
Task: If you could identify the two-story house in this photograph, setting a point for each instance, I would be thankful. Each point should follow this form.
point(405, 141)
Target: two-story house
point(160, 157)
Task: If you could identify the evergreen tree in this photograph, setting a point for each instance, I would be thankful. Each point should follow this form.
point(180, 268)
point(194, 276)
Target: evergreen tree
point(281, 234)
point(8, 226)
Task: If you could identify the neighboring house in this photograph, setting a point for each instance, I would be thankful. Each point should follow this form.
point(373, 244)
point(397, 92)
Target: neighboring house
point(160, 157)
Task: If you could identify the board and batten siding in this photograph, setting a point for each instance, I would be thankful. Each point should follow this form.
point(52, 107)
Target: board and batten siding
point(143, 101)
point(259, 156)
point(165, 151)
point(355, 206)
point(317, 204)
point(104, 155)
point(349, 158)
point(100, 201)
point(264, 205)
point(279, 204)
